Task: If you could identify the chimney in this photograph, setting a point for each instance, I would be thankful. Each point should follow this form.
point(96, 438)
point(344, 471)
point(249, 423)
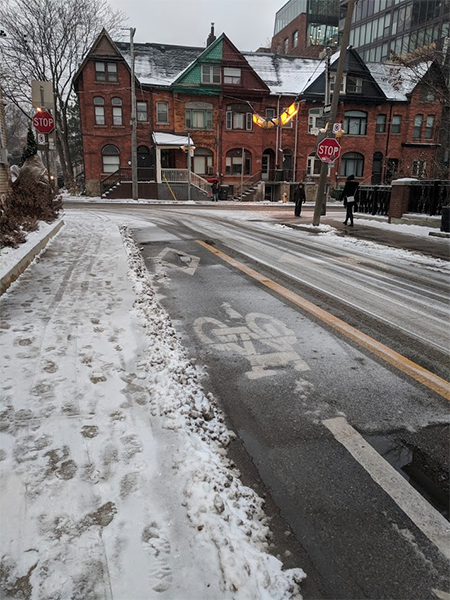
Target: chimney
point(211, 37)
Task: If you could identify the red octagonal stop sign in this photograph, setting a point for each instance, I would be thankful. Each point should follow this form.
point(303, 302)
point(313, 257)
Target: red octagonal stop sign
point(44, 122)
point(328, 150)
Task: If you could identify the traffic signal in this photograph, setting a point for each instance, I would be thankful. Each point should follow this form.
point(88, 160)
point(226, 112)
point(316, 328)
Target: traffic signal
point(280, 121)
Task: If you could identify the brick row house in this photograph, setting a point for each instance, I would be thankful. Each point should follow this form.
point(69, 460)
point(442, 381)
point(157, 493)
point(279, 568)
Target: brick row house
point(205, 98)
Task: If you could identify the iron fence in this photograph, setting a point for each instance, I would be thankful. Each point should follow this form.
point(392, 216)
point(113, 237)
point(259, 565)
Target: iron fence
point(428, 197)
point(373, 199)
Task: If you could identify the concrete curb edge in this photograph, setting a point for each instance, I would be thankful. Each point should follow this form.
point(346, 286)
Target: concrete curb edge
point(20, 267)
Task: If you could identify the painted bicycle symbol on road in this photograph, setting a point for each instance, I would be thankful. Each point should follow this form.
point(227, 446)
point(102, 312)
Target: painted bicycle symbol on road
point(263, 340)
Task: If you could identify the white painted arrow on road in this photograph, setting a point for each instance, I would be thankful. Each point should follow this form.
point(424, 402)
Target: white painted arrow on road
point(190, 262)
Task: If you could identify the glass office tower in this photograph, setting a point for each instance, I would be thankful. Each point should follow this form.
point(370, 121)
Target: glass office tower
point(385, 28)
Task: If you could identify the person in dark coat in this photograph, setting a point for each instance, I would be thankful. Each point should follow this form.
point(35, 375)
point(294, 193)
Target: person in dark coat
point(215, 191)
point(348, 196)
point(299, 198)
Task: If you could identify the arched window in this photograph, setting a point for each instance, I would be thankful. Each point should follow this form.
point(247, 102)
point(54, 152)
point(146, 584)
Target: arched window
point(99, 110)
point(110, 159)
point(235, 160)
point(352, 163)
point(117, 110)
point(355, 122)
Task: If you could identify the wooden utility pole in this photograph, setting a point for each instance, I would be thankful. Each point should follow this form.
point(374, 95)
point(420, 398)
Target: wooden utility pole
point(320, 199)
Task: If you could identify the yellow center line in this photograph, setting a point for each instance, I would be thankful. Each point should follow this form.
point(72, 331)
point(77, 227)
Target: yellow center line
point(430, 380)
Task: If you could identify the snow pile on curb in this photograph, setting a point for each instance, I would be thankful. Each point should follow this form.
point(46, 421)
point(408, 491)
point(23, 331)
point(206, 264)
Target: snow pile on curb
point(225, 515)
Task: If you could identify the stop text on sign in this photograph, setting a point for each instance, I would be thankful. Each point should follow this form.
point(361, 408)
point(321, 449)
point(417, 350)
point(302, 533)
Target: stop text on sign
point(43, 122)
point(328, 150)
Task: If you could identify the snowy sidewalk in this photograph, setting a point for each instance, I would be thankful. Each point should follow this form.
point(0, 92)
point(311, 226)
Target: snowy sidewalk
point(114, 472)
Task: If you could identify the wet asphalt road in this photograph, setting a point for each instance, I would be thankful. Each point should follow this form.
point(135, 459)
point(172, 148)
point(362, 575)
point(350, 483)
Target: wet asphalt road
point(278, 374)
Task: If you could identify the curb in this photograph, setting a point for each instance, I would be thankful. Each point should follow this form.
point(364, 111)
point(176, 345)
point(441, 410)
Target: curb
point(17, 270)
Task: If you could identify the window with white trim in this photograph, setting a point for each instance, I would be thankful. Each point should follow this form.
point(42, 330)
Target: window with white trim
point(211, 74)
point(238, 117)
point(162, 113)
point(354, 85)
point(315, 120)
point(232, 76)
point(99, 110)
point(117, 110)
point(381, 124)
point(418, 120)
point(396, 124)
point(198, 115)
point(110, 159)
point(355, 122)
point(332, 82)
point(295, 39)
point(141, 111)
point(313, 166)
point(429, 127)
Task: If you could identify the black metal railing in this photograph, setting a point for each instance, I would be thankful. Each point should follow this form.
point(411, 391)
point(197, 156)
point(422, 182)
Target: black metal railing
point(125, 174)
point(428, 197)
point(373, 199)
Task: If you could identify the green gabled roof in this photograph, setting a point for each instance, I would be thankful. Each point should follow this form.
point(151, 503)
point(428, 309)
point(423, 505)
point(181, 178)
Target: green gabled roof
point(191, 77)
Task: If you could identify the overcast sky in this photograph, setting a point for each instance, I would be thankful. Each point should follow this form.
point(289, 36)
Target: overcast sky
point(248, 23)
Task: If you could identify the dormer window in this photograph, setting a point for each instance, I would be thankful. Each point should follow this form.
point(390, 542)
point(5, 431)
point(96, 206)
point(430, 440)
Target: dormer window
point(354, 85)
point(332, 80)
point(232, 76)
point(211, 74)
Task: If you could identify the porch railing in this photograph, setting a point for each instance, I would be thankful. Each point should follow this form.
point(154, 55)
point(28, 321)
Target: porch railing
point(241, 186)
point(181, 176)
point(125, 174)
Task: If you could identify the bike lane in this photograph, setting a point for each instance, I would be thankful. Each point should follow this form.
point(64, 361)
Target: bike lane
point(286, 383)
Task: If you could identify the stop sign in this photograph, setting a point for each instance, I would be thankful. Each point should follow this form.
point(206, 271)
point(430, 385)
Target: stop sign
point(44, 122)
point(328, 150)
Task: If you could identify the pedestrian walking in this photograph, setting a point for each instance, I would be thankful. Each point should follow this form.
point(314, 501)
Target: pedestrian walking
point(299, 198)
point(348, 195)
point(215, 191)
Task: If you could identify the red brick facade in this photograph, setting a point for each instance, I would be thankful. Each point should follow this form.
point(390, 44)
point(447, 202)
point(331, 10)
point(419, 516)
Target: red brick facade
point(256, 141)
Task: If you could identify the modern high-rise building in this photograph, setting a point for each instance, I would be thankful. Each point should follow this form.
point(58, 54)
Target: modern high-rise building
point(382, 29)
point(306, 27)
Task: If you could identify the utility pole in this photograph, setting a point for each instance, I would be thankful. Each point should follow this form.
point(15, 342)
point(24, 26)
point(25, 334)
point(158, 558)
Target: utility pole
point(320, 200)
point(134, 177)
point(189, 166)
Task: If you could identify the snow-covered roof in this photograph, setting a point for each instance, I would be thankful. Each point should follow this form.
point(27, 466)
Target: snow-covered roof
point(285, 74)
point(169, 139)
point(159, 64)
point(397, 81)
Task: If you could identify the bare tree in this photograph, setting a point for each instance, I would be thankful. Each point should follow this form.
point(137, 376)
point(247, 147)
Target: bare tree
point(46, 40)
point(16, 132)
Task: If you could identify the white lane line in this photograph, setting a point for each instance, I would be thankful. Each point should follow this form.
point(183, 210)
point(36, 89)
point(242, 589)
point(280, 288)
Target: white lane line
point(422, 514)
